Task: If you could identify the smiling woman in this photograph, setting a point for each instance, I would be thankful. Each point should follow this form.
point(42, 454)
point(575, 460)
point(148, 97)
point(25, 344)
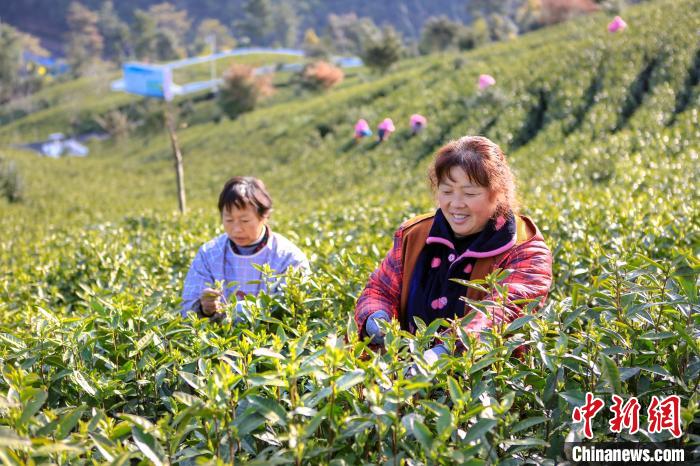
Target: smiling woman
point(475, 230)
point(235, 257)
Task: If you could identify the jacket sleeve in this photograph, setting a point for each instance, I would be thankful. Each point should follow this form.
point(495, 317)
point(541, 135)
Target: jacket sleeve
point(198, 277)
point(383, 290)
point(530, 266)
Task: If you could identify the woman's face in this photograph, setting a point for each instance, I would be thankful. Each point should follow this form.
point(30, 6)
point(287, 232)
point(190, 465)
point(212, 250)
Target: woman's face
point(466, 205)
point(243, 226)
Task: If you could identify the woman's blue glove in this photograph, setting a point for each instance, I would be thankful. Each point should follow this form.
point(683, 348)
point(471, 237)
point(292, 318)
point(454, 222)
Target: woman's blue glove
point(433, 354)
point(372, 328)
point(430, 356)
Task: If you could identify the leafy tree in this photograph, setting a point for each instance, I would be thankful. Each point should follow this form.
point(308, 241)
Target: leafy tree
point(32, 44)
point(474, 35)
point(166, 45)
point(10, 60)
point(348, 33)
point(145, 35)
point(285, 24)
point(257, 22)
point(313, 46)
point(381, 54)
point(209, 28)
point(242, 90)
point(115, 33)
point(16, 76)
point(529, 15)
point(172, 26)
point(11, 183)
point(500, 17)
point(320, 75)
point(439, 33)
point(85, 42)
point(502, 27)
point(159, 33)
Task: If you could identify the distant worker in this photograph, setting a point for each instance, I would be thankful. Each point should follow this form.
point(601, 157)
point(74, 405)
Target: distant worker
point(385, 128)
point(362, 129)
point(475, 230)
point(617, 25)
point(418, 122)
point(486, 81)
point(232, 257)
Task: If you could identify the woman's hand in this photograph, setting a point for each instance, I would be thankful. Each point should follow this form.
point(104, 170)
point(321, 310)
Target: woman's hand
point(211, 300)
point(372, 327)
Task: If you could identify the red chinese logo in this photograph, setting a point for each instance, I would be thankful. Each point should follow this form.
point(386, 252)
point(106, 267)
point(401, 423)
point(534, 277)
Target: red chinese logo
point(626, 415)
point(587, 412)
point(665, 414)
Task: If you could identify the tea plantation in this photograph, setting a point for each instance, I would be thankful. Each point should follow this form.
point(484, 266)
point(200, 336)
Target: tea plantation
point(603, 133)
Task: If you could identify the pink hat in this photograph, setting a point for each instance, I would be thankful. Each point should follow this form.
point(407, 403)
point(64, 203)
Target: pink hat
point(417, 119)
point(486, 80)
point(617, 24)
point(361, 125)
point(387, 125)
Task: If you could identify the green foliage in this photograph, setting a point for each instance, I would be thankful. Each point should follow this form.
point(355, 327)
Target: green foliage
point(241, 90)
point(439, 34)
point(212, 36)
point(115, 33)
point(348, 33)
point(382, 53)
point(257, 22)
point(85, 43)
point(10, 59)
point(11, 184)
point(159, 33)
point(98, 367)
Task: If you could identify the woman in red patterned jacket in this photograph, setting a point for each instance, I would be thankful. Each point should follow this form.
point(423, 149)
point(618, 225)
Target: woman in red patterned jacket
point(475, 230)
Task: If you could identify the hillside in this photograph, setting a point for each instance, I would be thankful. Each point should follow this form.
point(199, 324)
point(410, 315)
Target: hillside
point(602, 132)
point(405, 16)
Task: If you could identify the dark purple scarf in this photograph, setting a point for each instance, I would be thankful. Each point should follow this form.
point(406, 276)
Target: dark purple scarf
point(432, 295)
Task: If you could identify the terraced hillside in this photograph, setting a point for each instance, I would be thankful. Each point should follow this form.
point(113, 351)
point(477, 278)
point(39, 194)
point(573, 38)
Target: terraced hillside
point(602, 132)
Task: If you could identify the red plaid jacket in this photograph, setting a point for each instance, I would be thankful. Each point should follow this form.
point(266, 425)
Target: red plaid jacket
point(529, 261)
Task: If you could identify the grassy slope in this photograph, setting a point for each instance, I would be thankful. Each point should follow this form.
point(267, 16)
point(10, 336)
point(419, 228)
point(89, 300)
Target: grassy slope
point(585, 75)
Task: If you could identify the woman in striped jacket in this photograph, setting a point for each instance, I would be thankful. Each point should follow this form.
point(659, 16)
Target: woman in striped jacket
point(475, 230)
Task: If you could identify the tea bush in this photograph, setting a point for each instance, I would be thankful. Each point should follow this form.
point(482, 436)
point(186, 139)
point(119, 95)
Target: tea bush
point(98, 366)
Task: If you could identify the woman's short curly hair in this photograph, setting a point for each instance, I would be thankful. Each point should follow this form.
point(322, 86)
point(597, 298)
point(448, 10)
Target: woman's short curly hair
point(484, 163)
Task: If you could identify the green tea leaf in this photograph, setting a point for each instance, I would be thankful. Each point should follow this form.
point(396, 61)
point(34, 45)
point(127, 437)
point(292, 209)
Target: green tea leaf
point(270, 409)
point(481, 427)
point(610, 373)
point(79, 378)
point(35, 402)
point(148, 446)
point(69, 421)
point(527, 423)
point(518, 323)
point(350, 379)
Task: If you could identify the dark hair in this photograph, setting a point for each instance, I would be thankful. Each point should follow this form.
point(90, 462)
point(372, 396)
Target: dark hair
point(483, 162)
point(242, 191)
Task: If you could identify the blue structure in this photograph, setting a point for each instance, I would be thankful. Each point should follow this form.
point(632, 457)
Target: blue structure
point(53, 66)
point(157, 80)
point(148, 80)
